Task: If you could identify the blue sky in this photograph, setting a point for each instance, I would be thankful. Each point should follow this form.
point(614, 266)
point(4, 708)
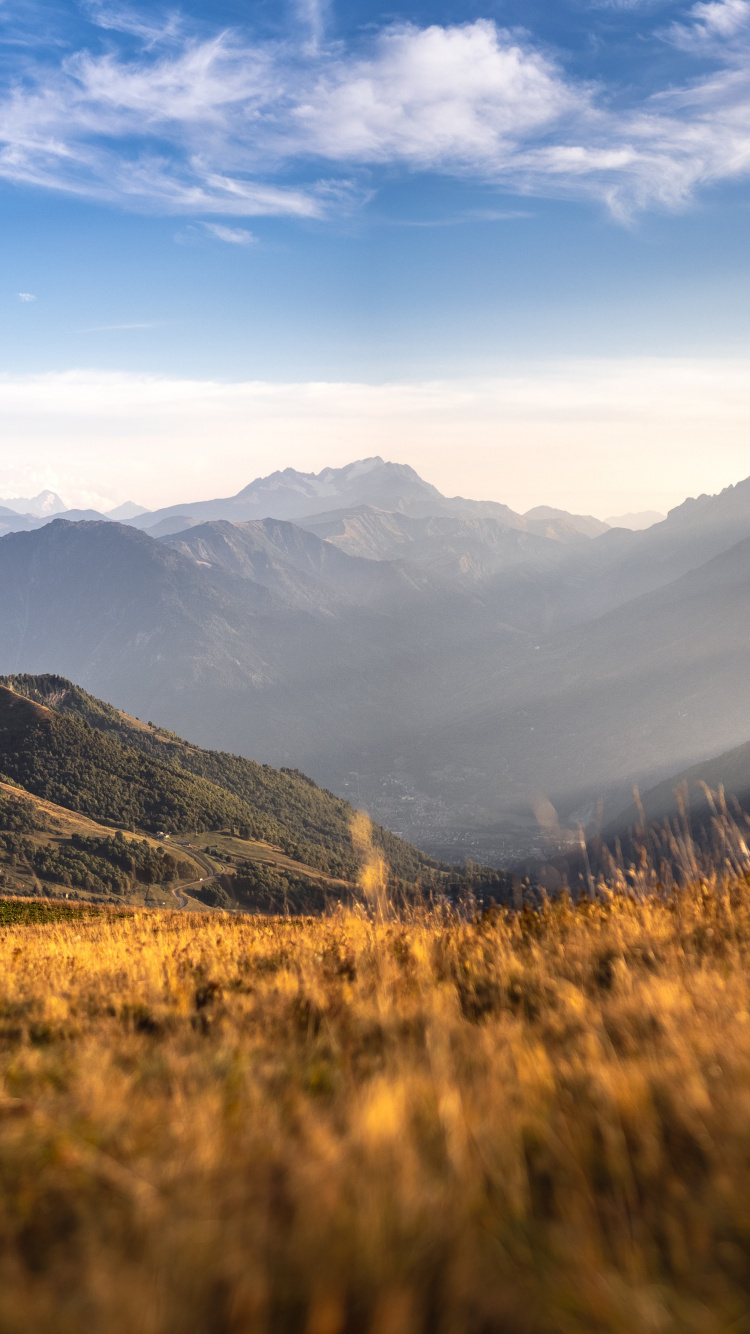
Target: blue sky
point(350, 194)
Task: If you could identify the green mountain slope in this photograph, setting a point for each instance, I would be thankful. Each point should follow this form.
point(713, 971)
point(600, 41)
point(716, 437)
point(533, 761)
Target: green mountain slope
point(63, 744)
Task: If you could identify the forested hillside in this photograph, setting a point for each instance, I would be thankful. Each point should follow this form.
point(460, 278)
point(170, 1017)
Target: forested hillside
point(63, 744)
point(46, 849)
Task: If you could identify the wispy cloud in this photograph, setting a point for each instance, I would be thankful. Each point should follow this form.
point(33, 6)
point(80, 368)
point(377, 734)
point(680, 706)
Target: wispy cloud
point(232, 235)
point(712, 24)
point(313, 16)
point(231, 128)
point(122, 18)
point(112, 328)
point(457, 219)
point(26, 296)
point(724, 17)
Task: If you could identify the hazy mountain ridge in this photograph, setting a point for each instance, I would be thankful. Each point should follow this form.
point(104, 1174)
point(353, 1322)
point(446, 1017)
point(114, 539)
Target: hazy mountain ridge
point(478, 545)
point(289, 494)
point(299, 566)
point(631, 696)
point(13, 522)
point(443, 669)
point(636, 521)
point(692, 793)
point(374, 483)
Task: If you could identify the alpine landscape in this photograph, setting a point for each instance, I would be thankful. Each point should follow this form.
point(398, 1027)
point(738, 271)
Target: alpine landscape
point(474, 677)
point(374, 689)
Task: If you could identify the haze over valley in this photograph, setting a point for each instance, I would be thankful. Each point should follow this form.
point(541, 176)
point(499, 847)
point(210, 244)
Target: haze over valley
point(477, 679)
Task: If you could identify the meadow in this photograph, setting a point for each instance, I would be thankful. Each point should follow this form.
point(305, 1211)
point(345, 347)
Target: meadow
point(528, 1122)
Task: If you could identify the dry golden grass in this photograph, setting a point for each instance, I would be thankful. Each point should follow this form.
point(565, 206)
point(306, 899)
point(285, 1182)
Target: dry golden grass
point(531, 1123)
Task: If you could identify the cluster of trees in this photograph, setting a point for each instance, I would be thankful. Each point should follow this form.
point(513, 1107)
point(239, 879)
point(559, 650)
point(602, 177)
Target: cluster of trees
point(18, 815)
point(175, 785)
point(265, 889)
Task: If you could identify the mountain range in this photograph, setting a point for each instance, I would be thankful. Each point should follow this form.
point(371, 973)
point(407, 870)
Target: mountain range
point(25, 514)
point(293, 495)
point(453, 666)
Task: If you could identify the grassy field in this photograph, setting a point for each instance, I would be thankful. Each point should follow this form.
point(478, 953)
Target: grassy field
point(526, 1124)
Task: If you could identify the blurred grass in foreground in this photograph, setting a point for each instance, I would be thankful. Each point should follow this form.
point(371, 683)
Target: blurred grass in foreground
point(529, 1123)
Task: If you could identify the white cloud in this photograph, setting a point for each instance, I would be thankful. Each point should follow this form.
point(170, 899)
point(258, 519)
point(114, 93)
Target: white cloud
point(193, 127)
point(26, 296)
point(313, 15)
point(711, 23)
point(724, 17)
point(124, 19)
point(232, 235)
point(434, 96)
point(191, 114)
point(598, 436)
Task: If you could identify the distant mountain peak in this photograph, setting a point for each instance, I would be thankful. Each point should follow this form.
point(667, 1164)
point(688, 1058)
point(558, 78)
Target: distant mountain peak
point(326, 482)
point(373, 483)
point(46, 503)
point(290, 494)
point(544, 517)
point(128, 510)
point(732, 500)
point(637, 520)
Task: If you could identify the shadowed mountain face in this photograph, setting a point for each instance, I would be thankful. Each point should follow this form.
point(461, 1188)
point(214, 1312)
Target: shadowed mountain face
point(304, 571)
point(628, 697)
point(694, 793)
point(448, 670)
point(262, 658)
point(473, 546)
point(630, 563)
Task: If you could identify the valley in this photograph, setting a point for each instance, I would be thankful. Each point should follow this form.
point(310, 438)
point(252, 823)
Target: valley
point(449, 665)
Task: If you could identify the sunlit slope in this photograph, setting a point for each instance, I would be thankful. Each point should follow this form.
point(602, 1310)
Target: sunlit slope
point(49, 850)
point(64, 744)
